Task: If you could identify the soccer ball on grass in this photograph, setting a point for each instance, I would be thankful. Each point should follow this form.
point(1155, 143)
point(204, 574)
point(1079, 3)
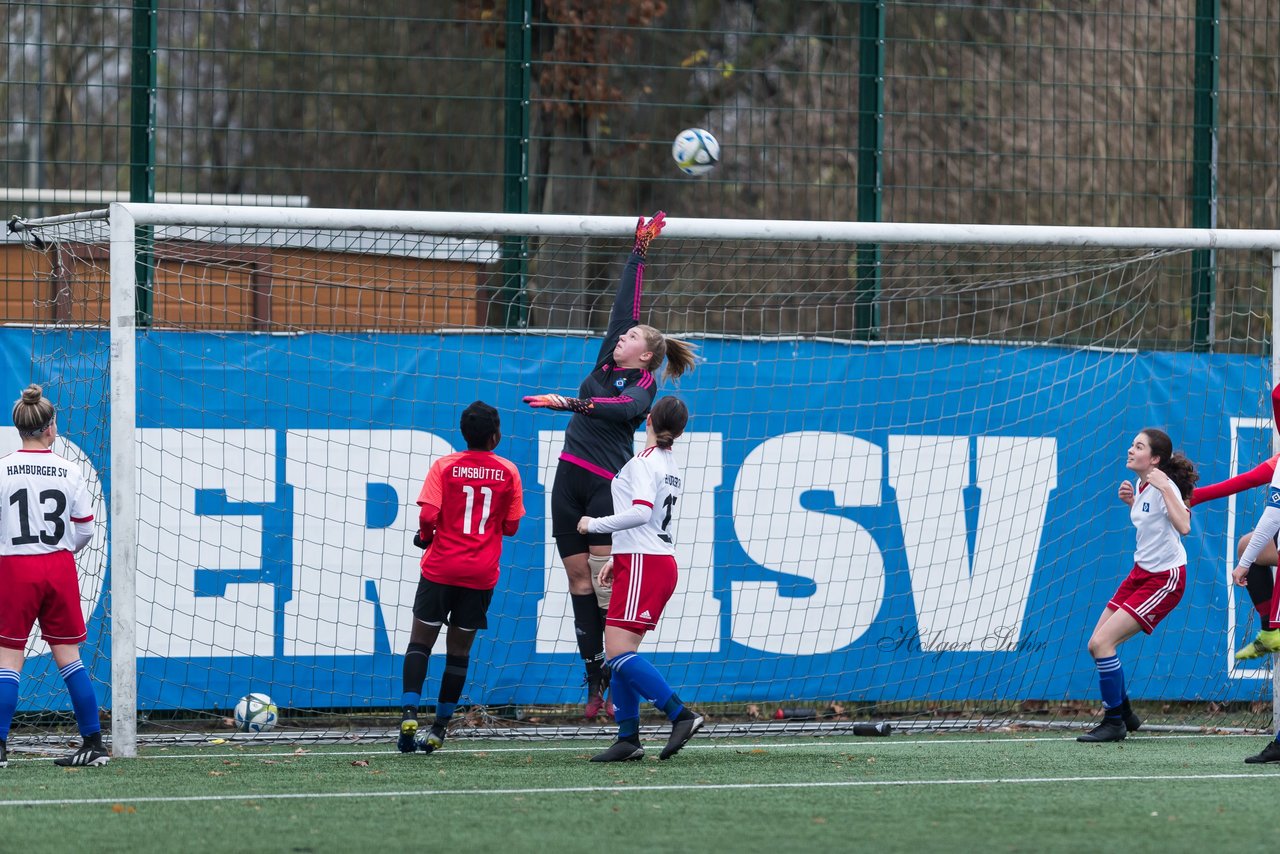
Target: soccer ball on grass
point(256, 713)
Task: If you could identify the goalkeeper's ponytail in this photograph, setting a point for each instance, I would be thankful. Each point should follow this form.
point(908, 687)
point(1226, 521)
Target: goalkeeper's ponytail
point(680, 356)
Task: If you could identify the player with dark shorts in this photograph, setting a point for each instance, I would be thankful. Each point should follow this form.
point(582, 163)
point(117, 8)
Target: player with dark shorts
point(469, 502)
point(612, 403)
point(644, 572)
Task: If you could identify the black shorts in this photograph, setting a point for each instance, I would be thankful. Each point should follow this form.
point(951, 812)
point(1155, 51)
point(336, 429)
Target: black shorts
point(578, 493)
point(448, 604)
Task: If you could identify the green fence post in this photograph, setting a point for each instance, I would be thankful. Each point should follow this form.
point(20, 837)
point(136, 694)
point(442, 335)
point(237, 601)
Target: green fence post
point(142, 141)
point(871, 43)
point(1204, 174)
point(515, 190)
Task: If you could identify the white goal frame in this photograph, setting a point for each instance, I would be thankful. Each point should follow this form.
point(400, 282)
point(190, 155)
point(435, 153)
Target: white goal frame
point(126, 217)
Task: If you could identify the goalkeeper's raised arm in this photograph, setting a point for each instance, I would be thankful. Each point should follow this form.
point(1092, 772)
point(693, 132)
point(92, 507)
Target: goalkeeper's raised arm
point(612, 402)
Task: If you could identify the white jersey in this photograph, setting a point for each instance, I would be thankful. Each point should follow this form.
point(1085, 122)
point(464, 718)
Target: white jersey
point(44, 504)
point(644, 497)
point(1159, 543)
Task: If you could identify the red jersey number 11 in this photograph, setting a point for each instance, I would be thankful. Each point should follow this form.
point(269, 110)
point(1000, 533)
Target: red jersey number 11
point(470, 492)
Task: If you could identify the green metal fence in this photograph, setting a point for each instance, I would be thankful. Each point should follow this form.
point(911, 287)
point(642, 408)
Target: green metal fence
point(1128, 113)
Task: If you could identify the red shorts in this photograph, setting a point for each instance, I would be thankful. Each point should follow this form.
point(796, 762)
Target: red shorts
point(1149, 596)
point(44, 588)
point(642, 585)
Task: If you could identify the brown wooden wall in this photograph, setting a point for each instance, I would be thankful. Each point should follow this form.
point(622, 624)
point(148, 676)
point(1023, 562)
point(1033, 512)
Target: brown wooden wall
point(202, 286)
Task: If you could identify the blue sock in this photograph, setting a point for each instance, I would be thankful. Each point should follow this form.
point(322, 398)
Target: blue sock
point(445, 710)
point(648, 683)
point(8, 700)
point(83, 698)
point(626, 702)
point(409, 698)
point(629, 728)
point(1111, 681)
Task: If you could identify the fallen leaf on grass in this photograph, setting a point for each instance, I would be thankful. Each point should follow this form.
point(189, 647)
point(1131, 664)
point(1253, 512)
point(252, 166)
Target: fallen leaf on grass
point(121, 808)
point(361, 763)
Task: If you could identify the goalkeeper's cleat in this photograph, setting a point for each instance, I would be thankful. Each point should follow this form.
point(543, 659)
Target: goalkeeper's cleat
point(434, 739)
point(1270, 753)
point(620, 751)
point(90, 753)
point(1111, 729)
point(1266, 642)
point(682, 729)
point(408, 741)
point(4, 753)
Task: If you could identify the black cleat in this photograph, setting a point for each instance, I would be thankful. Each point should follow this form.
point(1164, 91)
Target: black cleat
point(620, 751)
point(681, 731)
point(408, 741)
point(4, 753)
point(434, 739)
point(1132, 722)
point(90, 753)
point(1270, 753)
point(1111, 729)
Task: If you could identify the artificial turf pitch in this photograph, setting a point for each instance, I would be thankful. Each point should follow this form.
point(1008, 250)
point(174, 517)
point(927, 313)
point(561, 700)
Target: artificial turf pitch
point(954, 792)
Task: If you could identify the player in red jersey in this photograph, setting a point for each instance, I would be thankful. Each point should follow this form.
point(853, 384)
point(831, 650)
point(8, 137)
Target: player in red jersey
point(45, 518)
point(611, 404)
point(643, 574)
point(1260, 580)
point(469, 502)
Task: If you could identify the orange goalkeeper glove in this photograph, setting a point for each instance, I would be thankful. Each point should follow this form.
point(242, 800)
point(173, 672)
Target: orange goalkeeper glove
point(559, 402)
point(646, 231)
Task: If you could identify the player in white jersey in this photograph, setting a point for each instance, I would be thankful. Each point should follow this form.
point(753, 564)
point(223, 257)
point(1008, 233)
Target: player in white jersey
point(45, 518)
point(643, 577)
point(1158, 510)
point(1264, 534)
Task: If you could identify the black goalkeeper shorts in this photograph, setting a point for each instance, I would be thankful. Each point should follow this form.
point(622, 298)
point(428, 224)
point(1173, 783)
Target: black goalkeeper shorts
point(578, 493)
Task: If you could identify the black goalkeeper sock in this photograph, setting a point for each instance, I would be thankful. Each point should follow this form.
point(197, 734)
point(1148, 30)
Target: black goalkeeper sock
point(1261, 586)
point(589, 629)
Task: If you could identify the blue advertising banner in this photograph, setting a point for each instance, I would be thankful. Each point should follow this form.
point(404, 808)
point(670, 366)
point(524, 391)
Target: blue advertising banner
point(860, 522)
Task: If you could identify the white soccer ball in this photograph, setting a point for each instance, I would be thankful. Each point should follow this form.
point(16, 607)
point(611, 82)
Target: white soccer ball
point(256, 713)
point(695, 151)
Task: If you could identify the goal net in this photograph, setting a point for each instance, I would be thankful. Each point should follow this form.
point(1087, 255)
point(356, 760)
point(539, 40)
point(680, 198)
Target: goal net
point(900, 470)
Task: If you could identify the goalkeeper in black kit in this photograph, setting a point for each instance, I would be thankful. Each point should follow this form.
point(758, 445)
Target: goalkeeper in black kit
point(612, 402)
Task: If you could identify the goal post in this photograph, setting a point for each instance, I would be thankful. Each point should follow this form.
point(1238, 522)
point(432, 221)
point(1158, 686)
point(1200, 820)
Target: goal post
point(918, 522)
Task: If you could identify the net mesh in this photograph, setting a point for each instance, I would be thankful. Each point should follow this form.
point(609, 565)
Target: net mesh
point(900, 489)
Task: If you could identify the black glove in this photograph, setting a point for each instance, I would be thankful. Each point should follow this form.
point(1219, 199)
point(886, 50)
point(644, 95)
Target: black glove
point(422, 542)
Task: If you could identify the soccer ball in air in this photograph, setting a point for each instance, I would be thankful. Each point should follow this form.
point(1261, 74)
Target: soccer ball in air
point(695, 151)
point(256, 713)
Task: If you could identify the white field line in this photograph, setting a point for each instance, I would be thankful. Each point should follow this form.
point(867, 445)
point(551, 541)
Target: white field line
point(618, 790)
point(861, 743)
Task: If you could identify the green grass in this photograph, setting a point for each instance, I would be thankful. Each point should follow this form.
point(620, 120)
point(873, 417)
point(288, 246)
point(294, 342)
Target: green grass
point(829, 794)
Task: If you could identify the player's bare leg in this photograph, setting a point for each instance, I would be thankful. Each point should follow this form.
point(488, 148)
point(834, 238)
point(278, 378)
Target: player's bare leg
point(1114, 628)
